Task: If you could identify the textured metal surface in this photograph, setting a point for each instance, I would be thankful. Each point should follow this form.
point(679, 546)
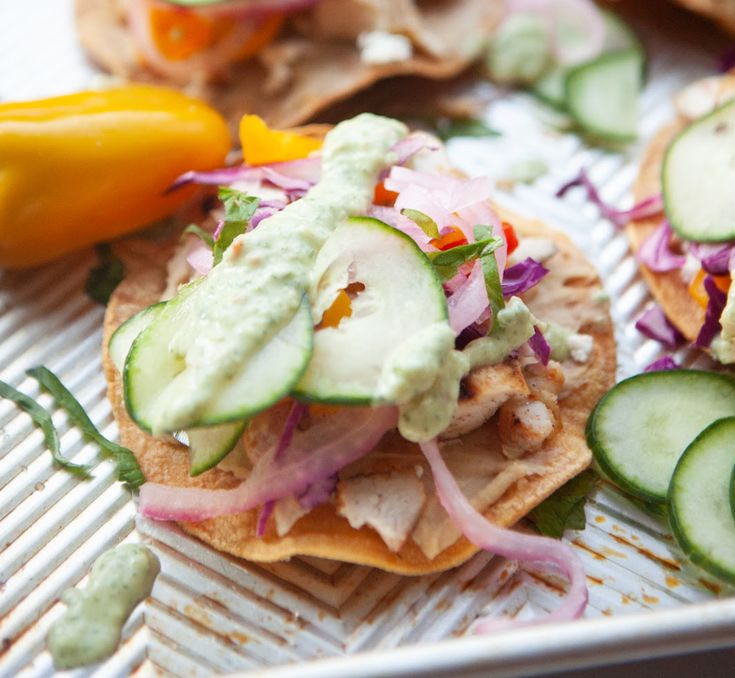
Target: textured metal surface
point(211, 613)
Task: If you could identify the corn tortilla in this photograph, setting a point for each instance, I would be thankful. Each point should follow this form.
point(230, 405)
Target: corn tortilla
point(322, 532)
point(330, 72)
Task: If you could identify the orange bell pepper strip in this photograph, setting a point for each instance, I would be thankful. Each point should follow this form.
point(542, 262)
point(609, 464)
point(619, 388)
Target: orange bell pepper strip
point(88, 167)
point(383, 196)
point(180, 33)
point(452, 238)
point(262, 145)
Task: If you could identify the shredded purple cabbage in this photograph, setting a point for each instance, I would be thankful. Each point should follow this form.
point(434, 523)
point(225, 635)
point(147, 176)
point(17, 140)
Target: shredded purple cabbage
point(468, 334)
point(655, 252)
point(540, 347)
point(522, 277)
point(662, 364)
point(646, 208)
point(655, 325)
point(715, 305)
point(295, 177)
point(715, 259)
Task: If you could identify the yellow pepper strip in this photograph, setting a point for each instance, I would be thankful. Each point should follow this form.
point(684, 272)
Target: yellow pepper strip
point(262, 145)
point(341, 308)
point(696, 287)
point(87, 167)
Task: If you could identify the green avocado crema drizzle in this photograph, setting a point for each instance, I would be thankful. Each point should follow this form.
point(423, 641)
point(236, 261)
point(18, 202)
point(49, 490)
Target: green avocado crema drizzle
point(258, 287)
point(90, 628)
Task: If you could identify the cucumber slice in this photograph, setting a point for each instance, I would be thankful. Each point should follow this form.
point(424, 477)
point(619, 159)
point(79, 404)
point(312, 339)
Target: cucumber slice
point(698, 176)
point(124, 336)
point(700, 502)
point(618, 36)
point(640, 428)
point(209, 446)
point(602, 94)
point(150, 368)
point(550, 87)
point(402, 296)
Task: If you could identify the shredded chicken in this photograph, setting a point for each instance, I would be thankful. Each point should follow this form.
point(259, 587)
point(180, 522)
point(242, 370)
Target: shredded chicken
point(286, 513)
point(389, 503)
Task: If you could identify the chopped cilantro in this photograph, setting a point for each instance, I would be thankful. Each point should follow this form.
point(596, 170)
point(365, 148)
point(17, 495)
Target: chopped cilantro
point(239, 209)
point(106, 276)
point(42, 419)
point(128, 470)
point(423, 221)
point(463, 127)
point(564, 510)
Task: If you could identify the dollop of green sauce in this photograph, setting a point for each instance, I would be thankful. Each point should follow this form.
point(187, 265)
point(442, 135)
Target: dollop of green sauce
point(260, 283)
point(90, 628)
point(513, 327)
point(427, 411)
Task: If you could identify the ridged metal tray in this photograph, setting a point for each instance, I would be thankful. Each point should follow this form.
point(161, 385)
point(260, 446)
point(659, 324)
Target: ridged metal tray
point(210, 613)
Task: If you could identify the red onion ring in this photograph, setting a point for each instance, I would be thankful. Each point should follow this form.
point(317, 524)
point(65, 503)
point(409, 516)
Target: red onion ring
point(509, 544)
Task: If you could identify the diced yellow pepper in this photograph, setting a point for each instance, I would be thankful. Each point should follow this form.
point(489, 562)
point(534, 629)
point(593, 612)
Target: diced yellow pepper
point(87, 167)
point(262, 145)
point(699, 293)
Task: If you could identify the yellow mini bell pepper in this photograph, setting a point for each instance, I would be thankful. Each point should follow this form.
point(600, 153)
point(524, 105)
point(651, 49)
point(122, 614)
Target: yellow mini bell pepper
point(262, 145)
point(83, 168)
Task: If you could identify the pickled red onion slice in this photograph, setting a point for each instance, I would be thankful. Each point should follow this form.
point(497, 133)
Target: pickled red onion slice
point(312, 456)
point(508, 544)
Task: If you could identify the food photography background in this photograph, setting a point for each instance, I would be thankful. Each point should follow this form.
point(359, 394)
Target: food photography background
point(210, 613)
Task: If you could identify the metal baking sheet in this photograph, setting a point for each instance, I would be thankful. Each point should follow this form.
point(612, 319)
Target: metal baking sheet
point(211, 613)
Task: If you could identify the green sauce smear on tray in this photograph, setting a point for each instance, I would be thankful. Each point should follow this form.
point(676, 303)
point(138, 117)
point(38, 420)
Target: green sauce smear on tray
point(90, 628)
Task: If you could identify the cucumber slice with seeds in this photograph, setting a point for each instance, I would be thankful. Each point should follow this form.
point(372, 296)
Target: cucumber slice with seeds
point(402, 296)
point(700, 500)
point(698, 177)
point(640, 428)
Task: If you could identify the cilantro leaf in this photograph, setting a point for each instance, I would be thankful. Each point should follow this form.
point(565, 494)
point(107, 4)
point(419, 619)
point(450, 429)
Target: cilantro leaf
point(128, 470)
point(447, 262)
point(423, 221)
point(464, 127)
point(564, 510)
point(205, 236)
point(42, 419)
point(239, 209)
point(490, 269)
point(106, 276)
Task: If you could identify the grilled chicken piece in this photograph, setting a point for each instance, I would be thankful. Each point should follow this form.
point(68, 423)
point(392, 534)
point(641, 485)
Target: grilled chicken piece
point(481, 394)
point(524, 424)
point(389, 503)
